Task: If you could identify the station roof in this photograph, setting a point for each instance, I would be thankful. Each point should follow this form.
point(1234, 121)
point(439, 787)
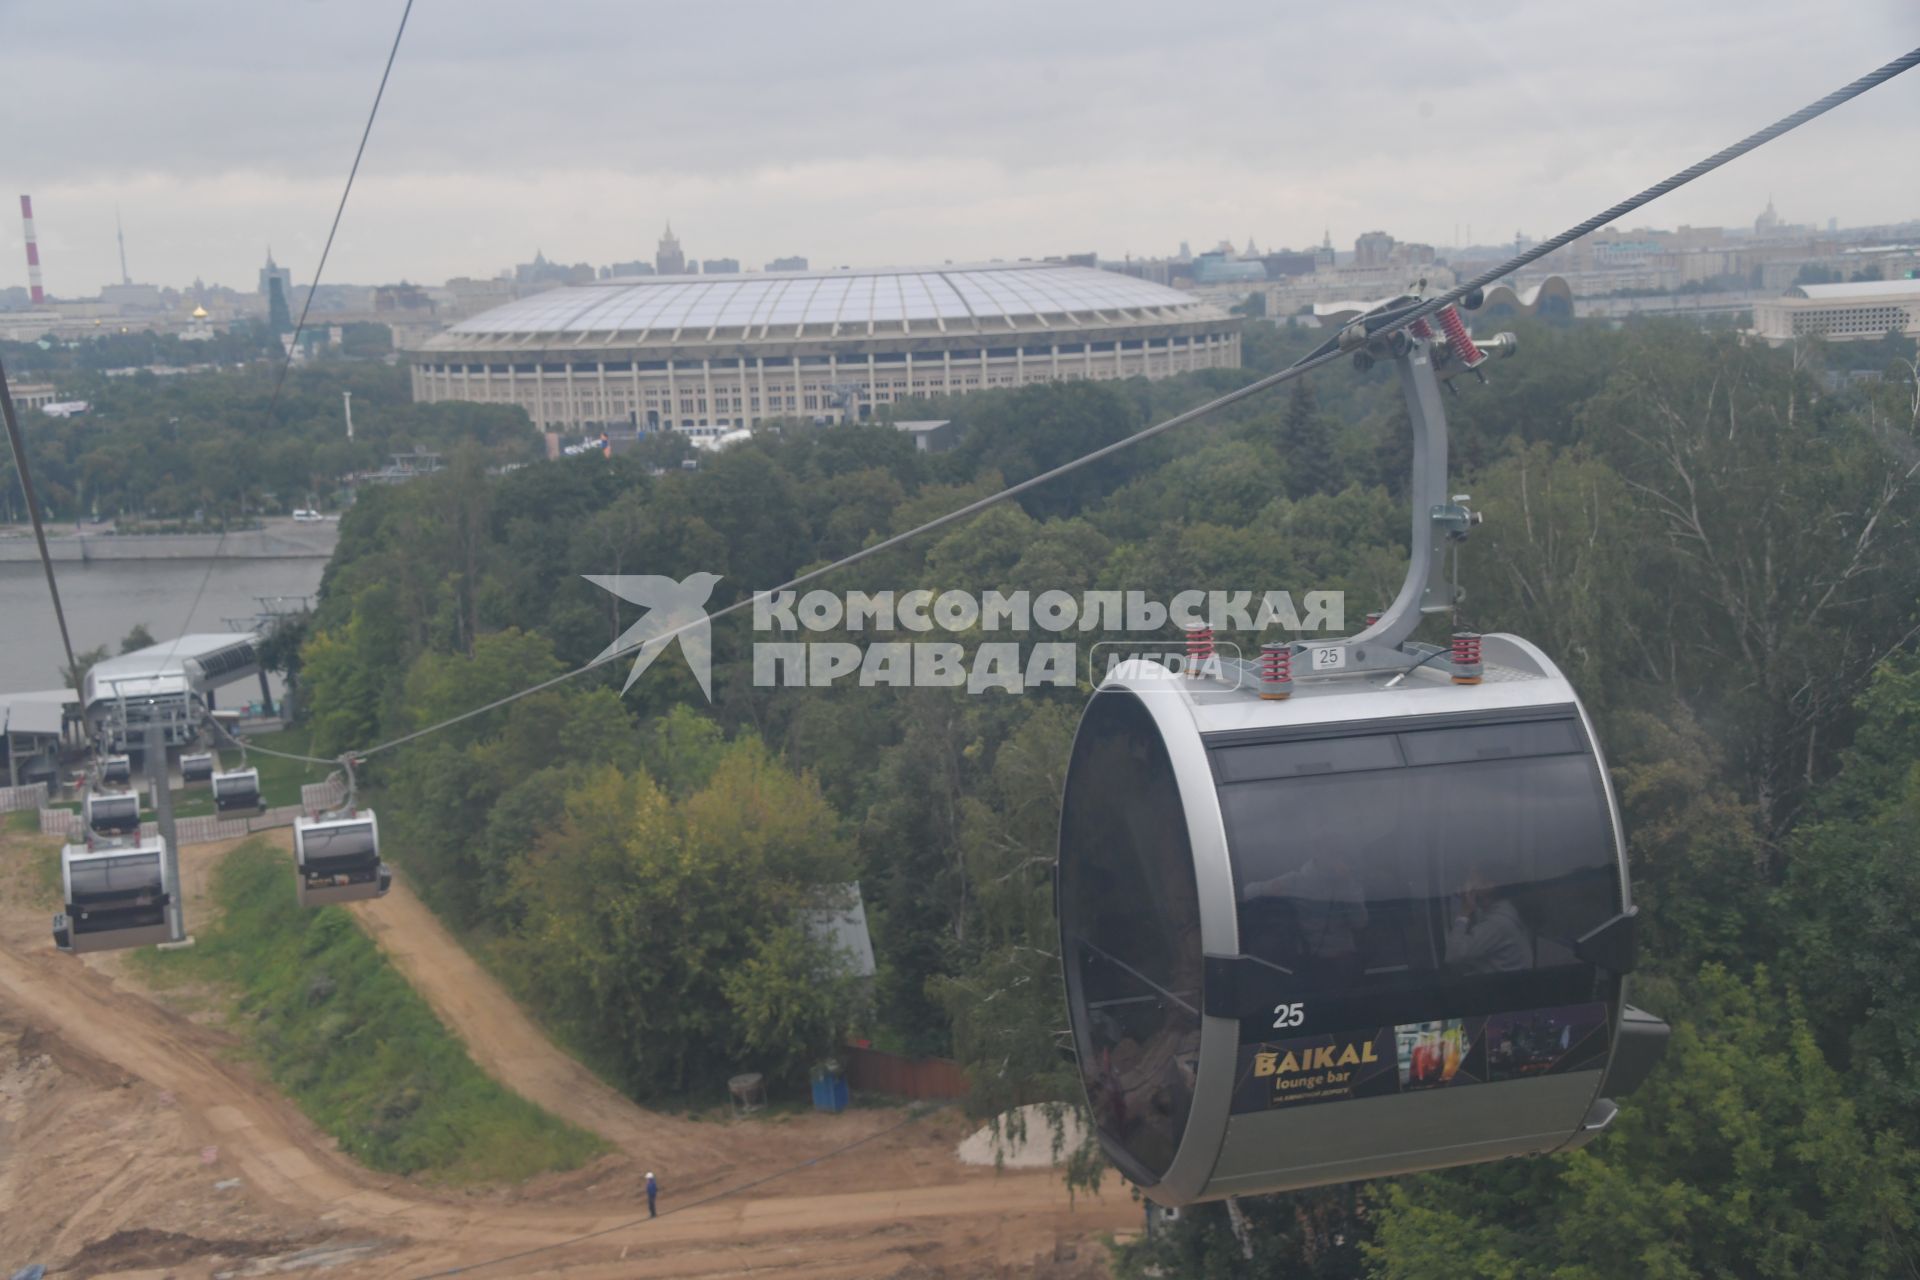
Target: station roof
point(996, 296)
point(36, 714)
point(197, 661)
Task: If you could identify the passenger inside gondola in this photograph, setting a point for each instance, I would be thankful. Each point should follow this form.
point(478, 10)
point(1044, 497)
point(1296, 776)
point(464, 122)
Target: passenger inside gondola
point(1487, 933)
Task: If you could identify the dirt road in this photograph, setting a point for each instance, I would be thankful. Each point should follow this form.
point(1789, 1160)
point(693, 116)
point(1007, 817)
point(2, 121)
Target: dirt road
point(130, 1117)
point(691, 1156)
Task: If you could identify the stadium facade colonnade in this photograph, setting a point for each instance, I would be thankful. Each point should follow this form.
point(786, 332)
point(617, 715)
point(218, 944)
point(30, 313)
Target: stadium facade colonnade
point(709, 354)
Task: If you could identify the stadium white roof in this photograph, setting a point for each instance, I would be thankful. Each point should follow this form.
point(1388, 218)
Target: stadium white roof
point(999, 296)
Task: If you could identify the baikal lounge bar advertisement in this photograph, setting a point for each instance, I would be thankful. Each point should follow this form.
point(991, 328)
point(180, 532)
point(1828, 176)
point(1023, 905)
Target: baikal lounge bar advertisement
point(1447, 1053)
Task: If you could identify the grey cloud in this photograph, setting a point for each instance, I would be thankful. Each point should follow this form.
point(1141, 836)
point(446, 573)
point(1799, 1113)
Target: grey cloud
point(1003, 128)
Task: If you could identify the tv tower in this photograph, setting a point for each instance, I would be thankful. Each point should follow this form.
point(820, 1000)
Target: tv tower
point(121, 236)
point(33, 252)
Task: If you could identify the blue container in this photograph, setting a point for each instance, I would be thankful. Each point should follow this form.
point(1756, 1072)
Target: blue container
point(829, 1088)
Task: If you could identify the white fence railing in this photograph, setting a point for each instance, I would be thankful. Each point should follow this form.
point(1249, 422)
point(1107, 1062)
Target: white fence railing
point(33, 796)
point(206, 830)
point(211, 827)
point(60, 822)
point(316, 797)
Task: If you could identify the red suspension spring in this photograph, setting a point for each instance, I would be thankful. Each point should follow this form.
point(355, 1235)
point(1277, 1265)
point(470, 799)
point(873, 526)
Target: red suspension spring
point(1421, 329)
point(1199, 649)
point(1466, 649)
point(1458, 339)
point(1276, 663)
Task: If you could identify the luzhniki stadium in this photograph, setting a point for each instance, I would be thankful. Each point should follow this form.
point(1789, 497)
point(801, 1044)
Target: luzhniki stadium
point(709, 354)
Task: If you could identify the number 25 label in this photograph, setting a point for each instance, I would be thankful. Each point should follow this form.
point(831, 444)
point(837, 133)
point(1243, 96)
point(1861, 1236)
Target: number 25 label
point(1332, 657)
point(1288, 1015)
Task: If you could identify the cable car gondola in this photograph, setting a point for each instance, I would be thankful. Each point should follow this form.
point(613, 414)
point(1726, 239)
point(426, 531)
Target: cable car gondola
point(196, 768)
point(237, 791)
point(116, 771)
point(1363, 920)
point(338, 859)
point(112, 813)
point(115, 897)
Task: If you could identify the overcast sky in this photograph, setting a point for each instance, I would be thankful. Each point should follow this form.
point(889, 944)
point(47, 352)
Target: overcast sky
point(891, 133)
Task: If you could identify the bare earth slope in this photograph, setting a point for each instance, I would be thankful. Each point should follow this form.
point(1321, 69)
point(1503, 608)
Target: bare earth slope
point(118, 1117)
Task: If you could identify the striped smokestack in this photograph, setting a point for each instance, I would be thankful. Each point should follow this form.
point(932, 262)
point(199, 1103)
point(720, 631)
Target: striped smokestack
point(33, 252)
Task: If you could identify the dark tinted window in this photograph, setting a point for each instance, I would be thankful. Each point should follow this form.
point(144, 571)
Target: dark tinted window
point(240, 784)
point(106, 879)
point(1290, 759)
point(1130, 917)
point(1492, 741)
point(338, 845)
point(1391, 890)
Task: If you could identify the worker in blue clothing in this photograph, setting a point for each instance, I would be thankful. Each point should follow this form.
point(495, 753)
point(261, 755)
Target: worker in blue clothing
point(653, 1196)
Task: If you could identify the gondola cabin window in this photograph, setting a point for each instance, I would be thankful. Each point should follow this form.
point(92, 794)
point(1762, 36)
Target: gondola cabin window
point(1393, 876)
point(1131, 913)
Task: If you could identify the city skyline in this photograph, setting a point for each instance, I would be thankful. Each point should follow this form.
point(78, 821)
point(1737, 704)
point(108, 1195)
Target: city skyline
point(1237, 123)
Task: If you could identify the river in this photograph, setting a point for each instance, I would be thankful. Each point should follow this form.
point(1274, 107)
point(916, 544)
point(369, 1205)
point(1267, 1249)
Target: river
point(106, 599)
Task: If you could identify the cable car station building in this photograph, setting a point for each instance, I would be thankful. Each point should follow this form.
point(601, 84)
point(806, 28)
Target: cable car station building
point(166, 682)
point(709, 354)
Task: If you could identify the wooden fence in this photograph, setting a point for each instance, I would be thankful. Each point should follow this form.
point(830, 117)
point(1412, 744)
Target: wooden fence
point(876, 1071)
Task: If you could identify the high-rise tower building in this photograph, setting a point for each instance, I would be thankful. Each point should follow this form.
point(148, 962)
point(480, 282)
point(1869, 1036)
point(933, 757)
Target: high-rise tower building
point(271, 272)
point(670, 261)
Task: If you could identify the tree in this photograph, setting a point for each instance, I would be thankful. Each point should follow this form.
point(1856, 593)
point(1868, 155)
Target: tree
point(83, 662)
point(1302, 1235)
point(138, 638)
point(1556, 561)
point(1306, 446)
point(1784, 543)
point(352, 672)
point(658, 933)
point(1743, 1155)
point(793, 1001)
point(1851, 896)
point(1698, 855)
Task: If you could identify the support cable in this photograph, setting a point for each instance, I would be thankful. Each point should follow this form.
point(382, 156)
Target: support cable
point(1784, 125)
point(286, 362)
point(19, 448)
point(1787, 124)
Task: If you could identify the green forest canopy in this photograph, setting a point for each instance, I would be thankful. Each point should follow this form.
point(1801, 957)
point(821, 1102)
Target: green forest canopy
point(1718, 548)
